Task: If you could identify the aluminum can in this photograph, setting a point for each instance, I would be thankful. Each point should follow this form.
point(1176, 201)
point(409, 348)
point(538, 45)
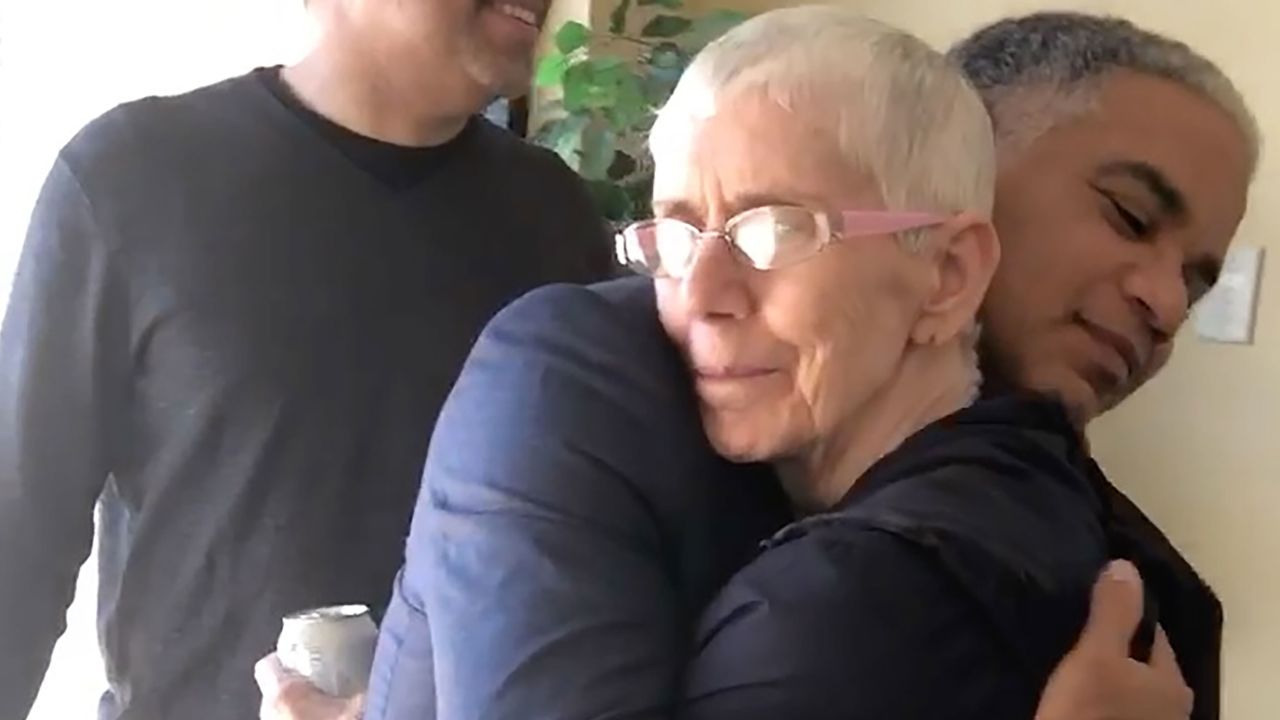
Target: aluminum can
point(332, 647)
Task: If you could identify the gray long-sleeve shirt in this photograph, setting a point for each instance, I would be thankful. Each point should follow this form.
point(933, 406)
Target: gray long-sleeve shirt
point(247, 332)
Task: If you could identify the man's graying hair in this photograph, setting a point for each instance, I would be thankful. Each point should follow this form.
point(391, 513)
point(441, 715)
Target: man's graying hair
point(1038, 70)
point(894, 106)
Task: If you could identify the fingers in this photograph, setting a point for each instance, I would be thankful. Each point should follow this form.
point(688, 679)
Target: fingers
point(1115, 611)
point(289, 696)
point(1167, 675)
point(270, 674)
point(355, 708)
point(1162, 655)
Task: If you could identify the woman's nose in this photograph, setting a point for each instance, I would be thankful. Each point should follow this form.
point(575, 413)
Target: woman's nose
point(714, 283)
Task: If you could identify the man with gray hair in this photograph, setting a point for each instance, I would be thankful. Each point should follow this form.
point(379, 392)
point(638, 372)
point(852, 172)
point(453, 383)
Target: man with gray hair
point(1125, 160)
point(585, 560)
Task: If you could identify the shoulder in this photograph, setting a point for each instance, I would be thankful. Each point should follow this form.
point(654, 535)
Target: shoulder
point(611, 325)
point(533, 172)
point(849, 624)
point(137, 156)
point(521, 154)
point(1008, 477)
point(119, 164)
point(144, 130)
point(575, 412)
point(549, 205)
point(891, 594)
point(825, 569)
point(628, 301)
point(586, 369)
point(813, 585)
point(1008, 523)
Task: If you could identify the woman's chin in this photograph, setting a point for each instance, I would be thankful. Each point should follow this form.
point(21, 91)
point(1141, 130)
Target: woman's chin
point(738, 445)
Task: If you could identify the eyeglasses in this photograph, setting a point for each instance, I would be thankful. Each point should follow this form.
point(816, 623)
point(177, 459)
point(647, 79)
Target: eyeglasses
point(765, 238)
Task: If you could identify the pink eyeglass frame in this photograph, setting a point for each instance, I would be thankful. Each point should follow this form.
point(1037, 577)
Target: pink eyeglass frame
point(853, 223)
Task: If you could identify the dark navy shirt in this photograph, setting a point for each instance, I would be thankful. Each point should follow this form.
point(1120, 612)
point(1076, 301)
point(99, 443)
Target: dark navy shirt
point(947, 584)
point(575, 543)
point(572, 524)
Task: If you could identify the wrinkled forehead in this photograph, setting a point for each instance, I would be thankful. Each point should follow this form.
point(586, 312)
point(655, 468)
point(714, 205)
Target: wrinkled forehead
point(752, 145)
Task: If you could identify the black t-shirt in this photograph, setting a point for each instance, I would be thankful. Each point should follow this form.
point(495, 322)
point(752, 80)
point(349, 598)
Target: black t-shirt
point(398, 166)
point(239, 322)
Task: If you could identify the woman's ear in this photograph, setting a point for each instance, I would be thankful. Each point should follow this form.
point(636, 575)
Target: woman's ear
point(965, 252)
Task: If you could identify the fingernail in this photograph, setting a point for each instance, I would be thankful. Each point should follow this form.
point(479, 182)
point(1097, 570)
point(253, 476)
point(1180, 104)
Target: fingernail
point(1122, 571)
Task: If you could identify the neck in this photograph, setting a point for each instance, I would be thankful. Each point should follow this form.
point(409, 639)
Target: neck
point(375, 89)
point(929, 384)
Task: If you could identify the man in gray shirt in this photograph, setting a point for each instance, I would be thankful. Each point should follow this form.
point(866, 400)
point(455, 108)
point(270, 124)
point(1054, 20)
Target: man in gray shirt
point(238, 312)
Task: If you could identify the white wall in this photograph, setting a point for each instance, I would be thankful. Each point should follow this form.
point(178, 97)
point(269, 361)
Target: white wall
point(63, 62)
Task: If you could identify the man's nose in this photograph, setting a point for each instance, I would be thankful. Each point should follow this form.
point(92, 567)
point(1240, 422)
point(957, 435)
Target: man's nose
point(714, 283)
point(1159, 289)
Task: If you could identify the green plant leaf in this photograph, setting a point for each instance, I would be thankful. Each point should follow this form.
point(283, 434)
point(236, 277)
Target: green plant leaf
point(667, 56)
point(571, 36)
point(550, 71)
point(618, 18)
point(578, 82)
point(665, 26)
point(593, 84)
point(606, 63)
point(564, 137)
point(669, 4)
point(639, 192)
point(551, 109)
point(611, 200)
point(658, 83)
point(630, 106)
point(599, 142)
point(622, 166)
point(711, 26)
point(660, 71)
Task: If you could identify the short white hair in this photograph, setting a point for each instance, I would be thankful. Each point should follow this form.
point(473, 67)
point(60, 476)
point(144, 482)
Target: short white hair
point(897, 109)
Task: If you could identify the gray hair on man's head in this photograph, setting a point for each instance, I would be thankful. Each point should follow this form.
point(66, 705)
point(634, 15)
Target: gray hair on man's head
point(897, 109)
point(1038, 70)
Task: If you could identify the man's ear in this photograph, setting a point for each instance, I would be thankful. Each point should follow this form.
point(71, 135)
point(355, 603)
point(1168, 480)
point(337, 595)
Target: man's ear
point(965, 252)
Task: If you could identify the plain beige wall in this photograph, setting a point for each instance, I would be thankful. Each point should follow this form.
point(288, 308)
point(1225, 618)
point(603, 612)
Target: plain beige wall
point(1199, 448)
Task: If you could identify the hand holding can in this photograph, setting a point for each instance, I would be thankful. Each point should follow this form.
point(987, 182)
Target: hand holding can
point(331, 647)
point(289, 696)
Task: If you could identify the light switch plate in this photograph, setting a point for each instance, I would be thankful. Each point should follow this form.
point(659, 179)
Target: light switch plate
point(1226, 314)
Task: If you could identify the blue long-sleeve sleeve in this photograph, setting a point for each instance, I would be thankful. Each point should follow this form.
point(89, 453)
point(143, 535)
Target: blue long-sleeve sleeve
point(571, 523)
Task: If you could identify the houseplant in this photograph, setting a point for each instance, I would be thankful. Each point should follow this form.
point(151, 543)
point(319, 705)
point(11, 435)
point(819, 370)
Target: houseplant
point(610, 83)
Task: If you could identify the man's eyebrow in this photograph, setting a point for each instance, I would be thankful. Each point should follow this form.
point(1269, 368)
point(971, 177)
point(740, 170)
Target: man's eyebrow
point(1172, 201)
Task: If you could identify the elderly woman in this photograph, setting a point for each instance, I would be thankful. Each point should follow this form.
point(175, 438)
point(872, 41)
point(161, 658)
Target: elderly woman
point(820, 249)
point(823, 287)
